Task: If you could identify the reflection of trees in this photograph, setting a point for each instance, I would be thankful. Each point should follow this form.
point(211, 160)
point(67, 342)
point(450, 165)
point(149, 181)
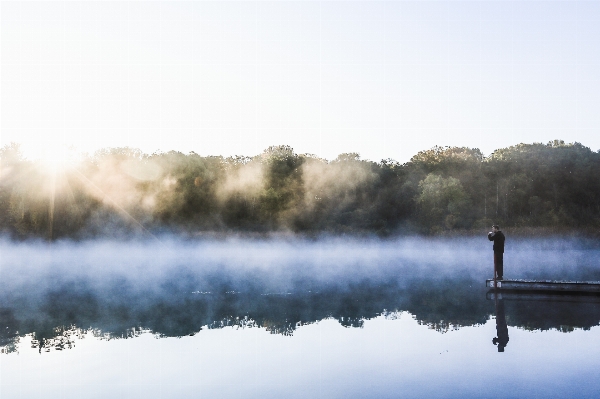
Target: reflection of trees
point(63, 337)
point(9, 331)
point(57, 317)
point(563, 316)
point(449, 303)
point(280, 314)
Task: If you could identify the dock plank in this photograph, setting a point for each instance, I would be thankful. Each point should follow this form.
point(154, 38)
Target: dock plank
point(546, 285)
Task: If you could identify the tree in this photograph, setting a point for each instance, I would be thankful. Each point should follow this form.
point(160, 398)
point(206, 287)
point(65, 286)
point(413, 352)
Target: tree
point(443, 202)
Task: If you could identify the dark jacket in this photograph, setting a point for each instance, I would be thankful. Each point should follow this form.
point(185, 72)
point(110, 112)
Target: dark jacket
point(498, 239)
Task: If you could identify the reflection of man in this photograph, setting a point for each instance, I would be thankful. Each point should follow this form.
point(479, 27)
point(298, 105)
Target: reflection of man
point(501, 328)
point(498, 237)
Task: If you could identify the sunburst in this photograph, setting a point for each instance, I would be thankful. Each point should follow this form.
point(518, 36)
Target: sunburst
point(55, 158)
point(53, 161)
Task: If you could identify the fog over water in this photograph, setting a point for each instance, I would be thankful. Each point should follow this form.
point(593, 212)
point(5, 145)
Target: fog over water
point(333, 317)
point(176, 287)
point(285, 263)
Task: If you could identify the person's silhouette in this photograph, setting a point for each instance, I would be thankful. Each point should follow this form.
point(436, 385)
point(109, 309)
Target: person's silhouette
point(501, 328)
point(498, 238)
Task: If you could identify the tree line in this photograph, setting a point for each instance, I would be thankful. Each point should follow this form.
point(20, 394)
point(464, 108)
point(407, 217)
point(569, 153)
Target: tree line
point(120, 191)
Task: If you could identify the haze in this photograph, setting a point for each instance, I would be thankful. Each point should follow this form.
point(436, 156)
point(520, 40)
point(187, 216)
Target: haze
point(385, 79)
point(280, 265)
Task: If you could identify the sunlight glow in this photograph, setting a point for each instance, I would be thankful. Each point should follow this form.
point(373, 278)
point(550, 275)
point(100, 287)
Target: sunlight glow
point(53, 157)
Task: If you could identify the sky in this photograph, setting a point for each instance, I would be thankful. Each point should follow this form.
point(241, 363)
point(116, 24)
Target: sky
point(383, 79)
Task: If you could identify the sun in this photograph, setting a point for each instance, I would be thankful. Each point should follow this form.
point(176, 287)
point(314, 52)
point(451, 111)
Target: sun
point(52, 157)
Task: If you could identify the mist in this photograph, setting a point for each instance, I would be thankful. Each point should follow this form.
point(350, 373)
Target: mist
point(176, 287)
point(121, 192)
point(281, 264)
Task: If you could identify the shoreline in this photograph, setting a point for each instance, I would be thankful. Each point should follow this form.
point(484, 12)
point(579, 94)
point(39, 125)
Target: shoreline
point(216, 235)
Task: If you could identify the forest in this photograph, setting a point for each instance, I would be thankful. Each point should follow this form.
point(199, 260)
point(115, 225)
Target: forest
point(119, 192)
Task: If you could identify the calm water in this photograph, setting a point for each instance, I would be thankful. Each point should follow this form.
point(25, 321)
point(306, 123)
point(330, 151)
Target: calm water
point(284, 318)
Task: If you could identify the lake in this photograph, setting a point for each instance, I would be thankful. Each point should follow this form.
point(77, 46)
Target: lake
point(347, 318)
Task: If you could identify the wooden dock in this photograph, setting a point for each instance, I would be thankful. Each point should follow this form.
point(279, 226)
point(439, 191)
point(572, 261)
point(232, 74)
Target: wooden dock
point(546, 285)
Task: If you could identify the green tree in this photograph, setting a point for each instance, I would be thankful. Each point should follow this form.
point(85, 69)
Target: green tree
point(283, 186)
point(443, 203)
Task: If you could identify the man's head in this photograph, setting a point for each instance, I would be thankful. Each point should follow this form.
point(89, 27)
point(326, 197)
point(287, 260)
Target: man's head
point(495, 228)
point(496, 341)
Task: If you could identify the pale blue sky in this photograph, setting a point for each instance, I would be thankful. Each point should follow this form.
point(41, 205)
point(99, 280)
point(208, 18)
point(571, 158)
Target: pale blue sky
point(385, 79)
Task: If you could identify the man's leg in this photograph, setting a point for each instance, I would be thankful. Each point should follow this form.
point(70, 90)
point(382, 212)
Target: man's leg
point(499, 257)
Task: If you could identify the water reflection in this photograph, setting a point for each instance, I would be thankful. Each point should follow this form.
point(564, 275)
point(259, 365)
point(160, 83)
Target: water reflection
point(534, 311)
point(56, 317)
point(113, 290)
point(9, 331)
point(501, 338)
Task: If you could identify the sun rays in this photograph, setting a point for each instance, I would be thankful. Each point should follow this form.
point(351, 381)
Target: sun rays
point(53, 178)
point(54, 161)
point(53, 158)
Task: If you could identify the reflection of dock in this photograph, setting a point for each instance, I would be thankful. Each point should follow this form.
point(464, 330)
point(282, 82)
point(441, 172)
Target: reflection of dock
point(550, 286)
point(543, 296)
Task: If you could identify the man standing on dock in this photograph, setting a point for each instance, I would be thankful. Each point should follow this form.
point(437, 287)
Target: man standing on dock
point(498, 237)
